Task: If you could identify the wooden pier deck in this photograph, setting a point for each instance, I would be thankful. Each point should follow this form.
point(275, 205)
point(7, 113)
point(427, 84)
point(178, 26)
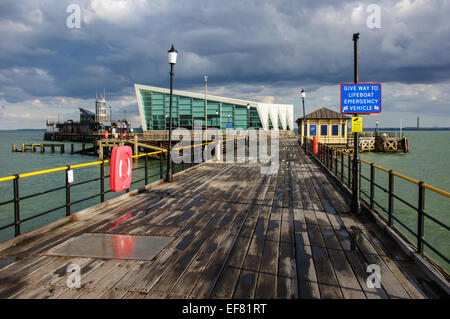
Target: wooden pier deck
point(237, 234)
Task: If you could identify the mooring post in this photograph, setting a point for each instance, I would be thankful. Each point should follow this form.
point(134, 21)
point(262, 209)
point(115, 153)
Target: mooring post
point(62, 148)
point(13, 147)
point(100, 151)
point(71, 148)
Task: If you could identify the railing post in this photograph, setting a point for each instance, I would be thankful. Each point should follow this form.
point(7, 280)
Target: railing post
point(102, 181)
point(332, 160)
point(372, 185)
point(342, 166)
point(420, 218)
point(67, 191)
point(349, 171)
point(182, 162)
point(146, 170)
point(160, 165)
point(391, 198)
point(16, 205)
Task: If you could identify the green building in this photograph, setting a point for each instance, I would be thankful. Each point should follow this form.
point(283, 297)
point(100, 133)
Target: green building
point(189, 111)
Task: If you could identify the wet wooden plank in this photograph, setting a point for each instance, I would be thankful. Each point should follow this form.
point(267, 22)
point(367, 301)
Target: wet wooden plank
point(328, 284)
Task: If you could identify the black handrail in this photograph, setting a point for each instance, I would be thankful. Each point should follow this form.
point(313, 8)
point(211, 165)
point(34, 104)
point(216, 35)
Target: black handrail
point(68, 186)
point(326, 154)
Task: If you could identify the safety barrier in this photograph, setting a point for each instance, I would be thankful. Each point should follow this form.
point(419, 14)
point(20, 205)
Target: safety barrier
point(17, 198)
point(340, 164)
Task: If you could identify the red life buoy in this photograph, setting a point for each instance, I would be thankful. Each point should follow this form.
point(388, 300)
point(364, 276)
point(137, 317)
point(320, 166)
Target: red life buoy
point(106, 134)
point(315, 145)
point(121, 168)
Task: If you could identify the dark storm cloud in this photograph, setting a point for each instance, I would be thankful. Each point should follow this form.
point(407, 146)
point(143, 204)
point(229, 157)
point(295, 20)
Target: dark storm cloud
point(281, 43)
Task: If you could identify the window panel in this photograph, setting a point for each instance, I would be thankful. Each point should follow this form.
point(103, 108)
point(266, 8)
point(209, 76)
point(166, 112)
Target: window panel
point(334, 130)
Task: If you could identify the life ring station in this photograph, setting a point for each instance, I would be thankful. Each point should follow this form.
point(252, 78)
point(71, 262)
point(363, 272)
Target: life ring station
point(190, 111)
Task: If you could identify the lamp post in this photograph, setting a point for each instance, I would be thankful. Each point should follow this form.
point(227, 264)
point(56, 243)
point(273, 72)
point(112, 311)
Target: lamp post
point(356, 204)
point(172, 56)
point(376, 128)
point(206, 115)
point(303, 94)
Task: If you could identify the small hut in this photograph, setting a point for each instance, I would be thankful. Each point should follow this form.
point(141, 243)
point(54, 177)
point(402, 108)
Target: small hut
point(329, 126)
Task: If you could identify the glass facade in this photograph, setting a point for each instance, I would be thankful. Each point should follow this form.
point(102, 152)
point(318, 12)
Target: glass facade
point(187, 111)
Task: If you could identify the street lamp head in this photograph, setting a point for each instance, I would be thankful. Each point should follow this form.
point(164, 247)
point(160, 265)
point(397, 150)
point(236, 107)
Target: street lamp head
point(172, 54)
point(206, 78)
point(303, 93)
point(248, 106)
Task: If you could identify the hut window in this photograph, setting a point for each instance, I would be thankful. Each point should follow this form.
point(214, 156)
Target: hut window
point(335, 130)
point(312, 130)
point(324, 130)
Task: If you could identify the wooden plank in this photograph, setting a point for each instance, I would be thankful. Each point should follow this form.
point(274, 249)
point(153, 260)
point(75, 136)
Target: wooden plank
point(287, 272)
point(328, 284)
point(347, 281)
point(210, 282)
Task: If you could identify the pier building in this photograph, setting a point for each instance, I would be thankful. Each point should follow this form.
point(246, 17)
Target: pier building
point(329, 126)
point(189, 111)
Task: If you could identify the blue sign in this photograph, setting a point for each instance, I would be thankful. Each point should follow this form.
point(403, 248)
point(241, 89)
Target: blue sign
point(360, 98)
point(229, 125)
point(312, 130)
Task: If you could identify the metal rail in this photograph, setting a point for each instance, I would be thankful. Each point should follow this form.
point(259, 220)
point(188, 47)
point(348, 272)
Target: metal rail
point(333, 159)
point(17, 198)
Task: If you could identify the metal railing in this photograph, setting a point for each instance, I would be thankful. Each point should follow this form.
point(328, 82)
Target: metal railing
point(17, 198)
point(339, 163)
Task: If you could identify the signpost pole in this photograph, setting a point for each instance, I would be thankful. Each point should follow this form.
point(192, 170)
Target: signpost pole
point(356, 204)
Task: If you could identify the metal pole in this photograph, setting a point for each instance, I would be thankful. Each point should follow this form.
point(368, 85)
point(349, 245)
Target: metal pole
point(102, 182)
point(206, 115)
point(372, 185)
point(169, 147)
point(67, 191)
point(390, 198)
point(16, 205)
point(304, 124)
point(420, 218)
point(146, 170)
point(356, 204)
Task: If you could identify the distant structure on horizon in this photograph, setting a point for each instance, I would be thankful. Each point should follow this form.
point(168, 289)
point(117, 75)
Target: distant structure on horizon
point(418, 123)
